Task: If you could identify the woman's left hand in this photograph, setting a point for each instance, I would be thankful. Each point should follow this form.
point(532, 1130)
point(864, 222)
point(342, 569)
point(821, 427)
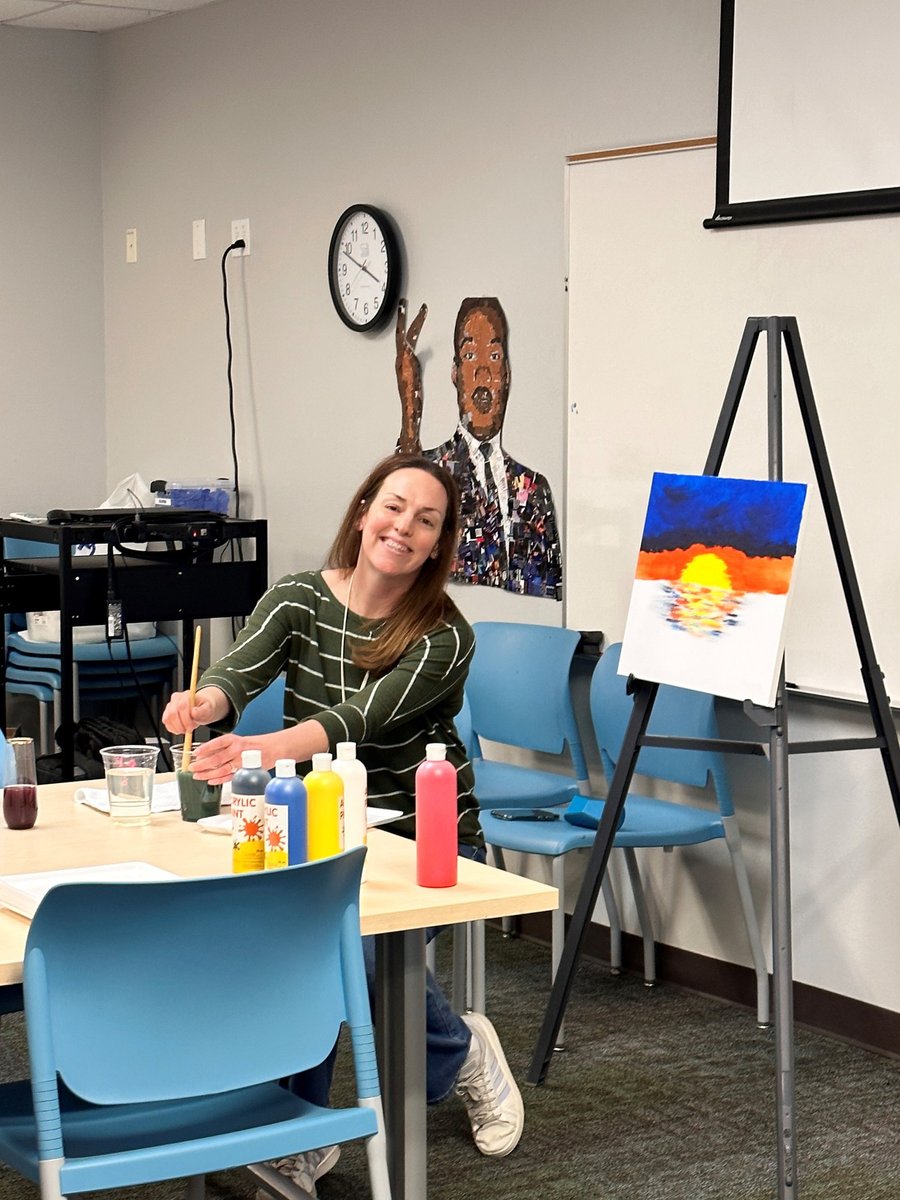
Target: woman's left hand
point(217, 760)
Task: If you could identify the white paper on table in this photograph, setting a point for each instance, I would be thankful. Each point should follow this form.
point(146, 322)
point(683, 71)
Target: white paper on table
point(164, 799)
point(23, 893)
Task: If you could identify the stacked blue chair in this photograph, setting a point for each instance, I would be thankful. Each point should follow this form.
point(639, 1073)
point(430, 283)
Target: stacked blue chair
point(104, 671)
point(519, 697)
point(649, 822)
point(145, 1084)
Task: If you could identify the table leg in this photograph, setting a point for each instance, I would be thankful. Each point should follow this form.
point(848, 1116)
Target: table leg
point(400, 1038)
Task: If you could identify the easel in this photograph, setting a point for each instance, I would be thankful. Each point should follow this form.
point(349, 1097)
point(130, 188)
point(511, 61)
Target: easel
point(774, 721)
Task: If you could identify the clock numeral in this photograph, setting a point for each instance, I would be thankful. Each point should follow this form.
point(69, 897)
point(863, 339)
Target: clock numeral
point(343, 268)
point(347, 289)
point(348, 246)
point(365, 310)
point(365, 226)
point(375, 303)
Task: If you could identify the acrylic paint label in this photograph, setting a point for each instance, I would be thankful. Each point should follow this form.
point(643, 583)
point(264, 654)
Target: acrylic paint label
point(248, 816)
point(277, 834)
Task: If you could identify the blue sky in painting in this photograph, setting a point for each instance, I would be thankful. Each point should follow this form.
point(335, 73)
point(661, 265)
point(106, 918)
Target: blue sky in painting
point(758, 516)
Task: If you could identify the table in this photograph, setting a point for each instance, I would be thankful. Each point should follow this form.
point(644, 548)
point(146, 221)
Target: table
point(182, 582)
point(391, 907)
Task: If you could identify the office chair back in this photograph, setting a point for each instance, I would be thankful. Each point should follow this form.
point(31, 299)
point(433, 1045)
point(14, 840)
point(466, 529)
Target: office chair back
point(265, 712)
point(518, 687)
point(135, 985)
point(677, 712)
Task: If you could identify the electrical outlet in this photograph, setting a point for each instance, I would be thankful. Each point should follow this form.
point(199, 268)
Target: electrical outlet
point(199, 239)
point(131, 245)
point(241, 229)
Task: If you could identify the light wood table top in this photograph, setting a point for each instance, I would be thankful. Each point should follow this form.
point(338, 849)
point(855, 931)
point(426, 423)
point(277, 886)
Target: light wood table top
point(72, 835)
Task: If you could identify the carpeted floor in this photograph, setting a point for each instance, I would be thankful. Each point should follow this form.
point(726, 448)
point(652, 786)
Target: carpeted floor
point(660, 1095)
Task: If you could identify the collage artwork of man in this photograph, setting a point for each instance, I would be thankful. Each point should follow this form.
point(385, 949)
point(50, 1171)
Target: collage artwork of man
point(509, 534)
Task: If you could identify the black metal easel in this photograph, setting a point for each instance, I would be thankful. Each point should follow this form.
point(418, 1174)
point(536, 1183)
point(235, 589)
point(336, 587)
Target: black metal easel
point(773, 720)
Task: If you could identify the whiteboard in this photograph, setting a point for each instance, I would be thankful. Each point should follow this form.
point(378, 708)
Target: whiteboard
point(656, 310)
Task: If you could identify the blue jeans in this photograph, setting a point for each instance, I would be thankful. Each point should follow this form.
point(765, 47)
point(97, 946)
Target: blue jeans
point(447, 1036)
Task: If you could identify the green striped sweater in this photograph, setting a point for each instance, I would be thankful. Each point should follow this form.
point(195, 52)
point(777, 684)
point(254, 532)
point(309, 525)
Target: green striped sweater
point(297, 628)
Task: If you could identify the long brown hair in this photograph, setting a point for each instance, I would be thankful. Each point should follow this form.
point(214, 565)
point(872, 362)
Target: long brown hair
point(426, 605)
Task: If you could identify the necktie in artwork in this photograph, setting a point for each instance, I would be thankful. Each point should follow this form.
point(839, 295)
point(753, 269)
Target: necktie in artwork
point(494, 547)
point(490, 485)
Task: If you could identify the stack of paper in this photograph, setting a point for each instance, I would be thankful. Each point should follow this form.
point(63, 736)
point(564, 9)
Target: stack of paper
point(23, 893)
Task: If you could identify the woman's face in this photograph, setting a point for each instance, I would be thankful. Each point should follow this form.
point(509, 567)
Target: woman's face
point(402, 526)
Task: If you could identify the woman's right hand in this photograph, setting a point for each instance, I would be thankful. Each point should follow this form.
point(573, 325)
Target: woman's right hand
point(210, 704)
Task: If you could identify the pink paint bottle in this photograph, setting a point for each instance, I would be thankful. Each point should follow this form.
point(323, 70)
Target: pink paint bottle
point(436, 816)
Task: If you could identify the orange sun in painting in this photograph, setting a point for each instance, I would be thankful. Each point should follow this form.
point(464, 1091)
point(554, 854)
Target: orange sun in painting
point(702, 599)
point(274, 839)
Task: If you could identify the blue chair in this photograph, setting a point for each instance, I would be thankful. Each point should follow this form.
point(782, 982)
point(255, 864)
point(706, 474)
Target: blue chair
point(519, 696)
point(649, 822)
point(102, 672)
point(133, 1079)
point(265, 712)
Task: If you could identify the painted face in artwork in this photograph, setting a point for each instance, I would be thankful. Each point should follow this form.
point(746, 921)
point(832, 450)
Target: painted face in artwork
point(402, 526)
point(481, 373)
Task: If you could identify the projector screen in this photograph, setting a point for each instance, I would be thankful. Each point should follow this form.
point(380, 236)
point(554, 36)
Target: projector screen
point(809, 107)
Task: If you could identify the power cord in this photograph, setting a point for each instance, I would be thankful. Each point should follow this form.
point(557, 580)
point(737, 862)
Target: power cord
point(236, 624)
point(238, 245)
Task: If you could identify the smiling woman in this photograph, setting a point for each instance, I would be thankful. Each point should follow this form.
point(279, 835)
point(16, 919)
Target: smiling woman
point(374, 652)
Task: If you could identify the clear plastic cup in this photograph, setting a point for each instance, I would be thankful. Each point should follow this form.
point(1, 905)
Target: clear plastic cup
point(129, 781)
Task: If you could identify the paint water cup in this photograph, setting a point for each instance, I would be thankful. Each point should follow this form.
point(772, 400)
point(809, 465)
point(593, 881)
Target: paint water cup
point(197, 797)
point(129, 781)
point(20, 791)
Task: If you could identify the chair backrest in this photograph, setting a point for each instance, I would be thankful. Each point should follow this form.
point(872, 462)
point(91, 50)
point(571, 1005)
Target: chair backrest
point(149, 991)
point(463, 723)
point(518, 688)
point(677, 712)
point(265, 712)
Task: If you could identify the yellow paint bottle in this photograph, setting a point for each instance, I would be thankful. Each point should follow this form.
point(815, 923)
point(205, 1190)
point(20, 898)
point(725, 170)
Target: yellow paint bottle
point(324, 809)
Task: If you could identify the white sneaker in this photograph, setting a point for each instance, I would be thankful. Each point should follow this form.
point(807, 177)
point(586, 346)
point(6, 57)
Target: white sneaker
point(489, 1091)
point(304, 1169)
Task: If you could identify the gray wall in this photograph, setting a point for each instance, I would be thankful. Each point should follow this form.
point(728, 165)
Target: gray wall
point(51, 298)
point(456, 119)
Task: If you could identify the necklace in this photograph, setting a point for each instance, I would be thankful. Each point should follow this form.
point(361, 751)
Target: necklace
point(344, 634)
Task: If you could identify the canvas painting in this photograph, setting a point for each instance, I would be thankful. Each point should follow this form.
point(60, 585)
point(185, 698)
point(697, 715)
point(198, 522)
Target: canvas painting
point(713, 584)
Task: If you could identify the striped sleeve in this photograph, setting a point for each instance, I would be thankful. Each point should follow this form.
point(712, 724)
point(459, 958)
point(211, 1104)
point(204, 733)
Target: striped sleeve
point(432, 669)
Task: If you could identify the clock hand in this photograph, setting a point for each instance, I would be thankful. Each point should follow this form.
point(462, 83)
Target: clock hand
point(368, 272)
point(362, 266)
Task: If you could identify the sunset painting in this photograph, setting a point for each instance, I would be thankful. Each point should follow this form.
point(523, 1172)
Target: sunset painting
point(712, 584)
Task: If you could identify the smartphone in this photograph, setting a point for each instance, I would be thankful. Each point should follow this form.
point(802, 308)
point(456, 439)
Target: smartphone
point(524, 814)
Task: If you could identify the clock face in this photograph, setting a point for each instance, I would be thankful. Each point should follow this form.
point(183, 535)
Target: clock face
point(364, 267)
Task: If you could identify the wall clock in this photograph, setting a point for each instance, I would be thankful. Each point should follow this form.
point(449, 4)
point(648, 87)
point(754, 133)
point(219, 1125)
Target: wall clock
point(364, 267)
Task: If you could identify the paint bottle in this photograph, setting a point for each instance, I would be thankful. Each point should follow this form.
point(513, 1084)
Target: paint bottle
point(286, 817)
point(355, 780)
point(325, 808)
point(248, 813)
point(436, 816)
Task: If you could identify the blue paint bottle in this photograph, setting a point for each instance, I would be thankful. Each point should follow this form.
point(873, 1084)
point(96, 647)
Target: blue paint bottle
point(286, 836)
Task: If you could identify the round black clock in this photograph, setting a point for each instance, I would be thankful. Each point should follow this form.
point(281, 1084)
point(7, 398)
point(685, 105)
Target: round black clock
point(364, 267)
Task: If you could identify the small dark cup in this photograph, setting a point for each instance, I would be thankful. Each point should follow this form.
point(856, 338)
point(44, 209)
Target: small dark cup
point(197, 797)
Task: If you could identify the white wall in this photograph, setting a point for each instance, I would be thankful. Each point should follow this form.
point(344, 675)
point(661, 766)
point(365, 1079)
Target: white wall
point(456, 119)
point(51, 306)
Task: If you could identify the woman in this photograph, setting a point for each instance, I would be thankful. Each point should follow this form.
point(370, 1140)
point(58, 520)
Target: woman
point(375, 652)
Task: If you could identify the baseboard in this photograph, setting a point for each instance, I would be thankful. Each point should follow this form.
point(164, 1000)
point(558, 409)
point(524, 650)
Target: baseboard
point(852, 1020)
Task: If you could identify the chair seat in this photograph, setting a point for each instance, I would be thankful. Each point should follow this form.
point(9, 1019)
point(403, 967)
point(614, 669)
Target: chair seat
point(535, 837)
point(154, 647)
point(504, 785)
point(650, 822)
point(228, 1130)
